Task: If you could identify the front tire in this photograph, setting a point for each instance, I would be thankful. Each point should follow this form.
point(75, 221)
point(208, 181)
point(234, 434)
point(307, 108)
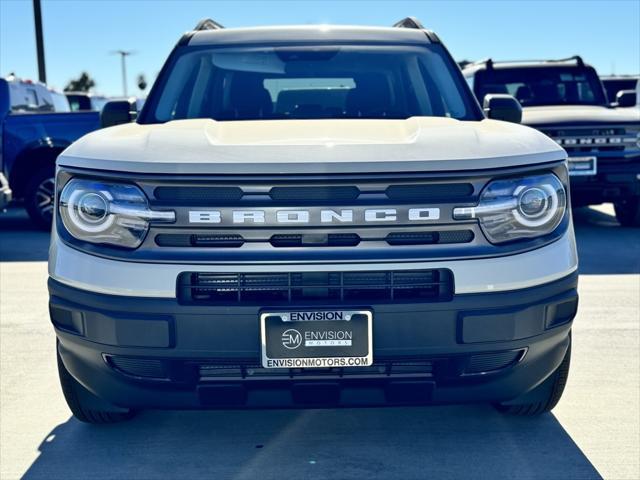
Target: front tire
point(84, 405)
point(628, 212)
point(546, 395)
point(39, 197)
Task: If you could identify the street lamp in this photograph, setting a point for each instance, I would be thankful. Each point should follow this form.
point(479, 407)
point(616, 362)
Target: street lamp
point(123, 55)
point(37, 20)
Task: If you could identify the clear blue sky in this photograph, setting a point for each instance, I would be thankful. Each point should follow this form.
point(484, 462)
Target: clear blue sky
point(80, 34)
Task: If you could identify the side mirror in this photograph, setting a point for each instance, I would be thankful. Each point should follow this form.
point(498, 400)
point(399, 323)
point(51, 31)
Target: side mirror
point(118, 112)
point(626, 98)
point(499, 106)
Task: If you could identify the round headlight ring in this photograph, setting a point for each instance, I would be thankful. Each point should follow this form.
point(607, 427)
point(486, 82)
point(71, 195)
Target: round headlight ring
point(93, 208)
point(80, 219)
point(527, 197)
point(551, 202)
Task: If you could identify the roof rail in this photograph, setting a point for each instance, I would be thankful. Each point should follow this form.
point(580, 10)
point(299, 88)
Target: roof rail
point(485, 61)
point(208, 24)
point(409, 22)
point(577, 58)
point(489, 62)
point(413, 22)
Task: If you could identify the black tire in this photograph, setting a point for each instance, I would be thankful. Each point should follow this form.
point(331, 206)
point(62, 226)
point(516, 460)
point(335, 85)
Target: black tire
point(39, 197)
point(628, 212)
point(548, 393)
point(76, 396)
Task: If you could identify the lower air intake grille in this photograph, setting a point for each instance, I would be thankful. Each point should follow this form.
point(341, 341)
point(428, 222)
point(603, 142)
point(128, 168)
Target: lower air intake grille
point(217, 371)
point(434, 285)
point(138, 367)
point(488, 362)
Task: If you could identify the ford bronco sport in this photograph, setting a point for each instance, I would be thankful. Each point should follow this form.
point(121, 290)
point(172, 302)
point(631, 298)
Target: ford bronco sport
point(312, 217)
point(565, 99)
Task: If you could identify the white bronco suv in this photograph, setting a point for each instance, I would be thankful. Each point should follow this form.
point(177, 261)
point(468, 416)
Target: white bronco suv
point(312, 217)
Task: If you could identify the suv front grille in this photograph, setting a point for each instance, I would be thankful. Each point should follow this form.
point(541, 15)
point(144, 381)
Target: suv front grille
point(311, 194)
point(595, 140)
point(361, 218)
point(435, 285)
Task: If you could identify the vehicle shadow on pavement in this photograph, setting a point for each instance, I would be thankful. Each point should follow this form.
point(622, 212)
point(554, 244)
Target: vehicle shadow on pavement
point(404, 443)
point(604, 247)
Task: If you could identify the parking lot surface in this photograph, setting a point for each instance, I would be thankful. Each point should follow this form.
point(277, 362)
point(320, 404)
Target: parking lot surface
point(593, 433)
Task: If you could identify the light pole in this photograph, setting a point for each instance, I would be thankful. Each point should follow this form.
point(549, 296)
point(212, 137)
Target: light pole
point(123, 56)
point(37, 20)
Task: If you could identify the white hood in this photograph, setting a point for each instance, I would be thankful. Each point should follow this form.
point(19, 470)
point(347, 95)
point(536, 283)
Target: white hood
point(578, 114)
point(311, 146)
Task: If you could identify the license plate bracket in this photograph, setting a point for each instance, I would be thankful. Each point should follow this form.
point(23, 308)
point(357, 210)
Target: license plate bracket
point(316, 338)
point(579, 166)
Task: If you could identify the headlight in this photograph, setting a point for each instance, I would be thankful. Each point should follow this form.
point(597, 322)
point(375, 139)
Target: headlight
point(108, 213)
point(518, 208)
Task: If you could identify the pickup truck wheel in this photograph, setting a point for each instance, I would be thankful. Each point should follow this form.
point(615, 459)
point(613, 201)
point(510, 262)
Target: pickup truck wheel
point(39, 197)
point(545, 396)
point(85, 405)
point(628, 212)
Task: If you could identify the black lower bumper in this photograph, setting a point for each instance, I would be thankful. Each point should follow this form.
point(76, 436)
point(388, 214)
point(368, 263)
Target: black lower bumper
point(155, 353)
point(615, 181)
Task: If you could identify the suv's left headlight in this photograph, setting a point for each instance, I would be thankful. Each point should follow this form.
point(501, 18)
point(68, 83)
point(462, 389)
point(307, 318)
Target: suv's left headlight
point(518, 208)
point(107, 213)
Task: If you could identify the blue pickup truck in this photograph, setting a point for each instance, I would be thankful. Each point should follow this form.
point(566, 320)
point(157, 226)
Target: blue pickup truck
point(36, 124)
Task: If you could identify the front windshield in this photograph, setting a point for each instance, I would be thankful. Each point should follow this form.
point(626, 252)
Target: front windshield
point(309, 82)
point(536, 86)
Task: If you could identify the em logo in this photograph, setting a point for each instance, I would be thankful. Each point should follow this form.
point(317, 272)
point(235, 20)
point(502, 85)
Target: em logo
point(291, 339)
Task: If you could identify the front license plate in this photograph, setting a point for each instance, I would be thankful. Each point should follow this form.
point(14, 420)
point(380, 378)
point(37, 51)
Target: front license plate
point(583, 166)
point(316, 339)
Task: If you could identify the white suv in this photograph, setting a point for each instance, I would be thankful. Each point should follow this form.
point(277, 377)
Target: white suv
point(312, 216)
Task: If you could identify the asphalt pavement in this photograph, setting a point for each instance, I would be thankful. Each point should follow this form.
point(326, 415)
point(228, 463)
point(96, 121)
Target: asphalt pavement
point(593, 433)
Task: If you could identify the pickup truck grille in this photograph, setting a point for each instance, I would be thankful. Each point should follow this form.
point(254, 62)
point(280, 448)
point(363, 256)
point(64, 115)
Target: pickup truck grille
point(435, 285)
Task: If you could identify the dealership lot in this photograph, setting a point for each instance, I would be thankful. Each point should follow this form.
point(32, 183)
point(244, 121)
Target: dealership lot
point(593, 433)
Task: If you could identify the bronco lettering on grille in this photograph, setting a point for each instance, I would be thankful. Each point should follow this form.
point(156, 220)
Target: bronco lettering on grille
point(324, 216)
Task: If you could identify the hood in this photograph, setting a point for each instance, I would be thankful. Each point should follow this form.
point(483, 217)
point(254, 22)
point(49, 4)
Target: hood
point(311, 146)
point(577, 114)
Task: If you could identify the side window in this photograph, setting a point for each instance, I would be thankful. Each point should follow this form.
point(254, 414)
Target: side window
point(23, 99)
point(45, 103)
point(74, 103)
point(60, 102)
point(31, 98)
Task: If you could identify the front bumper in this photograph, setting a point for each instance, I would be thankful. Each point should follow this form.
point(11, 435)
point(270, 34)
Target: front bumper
point(614, 181)
point(154, 353)
point(5, 192)
point(139, 279)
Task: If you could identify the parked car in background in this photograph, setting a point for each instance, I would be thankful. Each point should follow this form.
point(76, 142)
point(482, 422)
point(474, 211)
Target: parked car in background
point(5, 192)
point(79, 101)
point(615, 84)
point(565, 99)
point(36, 124)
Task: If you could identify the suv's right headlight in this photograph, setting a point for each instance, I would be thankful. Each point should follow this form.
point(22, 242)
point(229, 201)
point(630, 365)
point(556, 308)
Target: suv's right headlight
point(107, 213)
point(517, 208)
